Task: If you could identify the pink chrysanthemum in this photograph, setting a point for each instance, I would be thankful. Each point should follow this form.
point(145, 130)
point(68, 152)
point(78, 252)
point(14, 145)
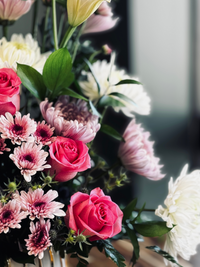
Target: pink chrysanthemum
point(43, 134)
point(30, 158)
point(137, 154)
point(71, 119)
point(18, 129)
point(39, 239)
point(3, 146)
point(11, 215)
point(40, 205)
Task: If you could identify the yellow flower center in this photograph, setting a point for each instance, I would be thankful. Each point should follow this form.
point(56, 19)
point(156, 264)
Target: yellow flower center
point(20, 46)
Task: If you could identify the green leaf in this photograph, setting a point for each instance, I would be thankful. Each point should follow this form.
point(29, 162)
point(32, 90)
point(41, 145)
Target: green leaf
point(32, 80)
point(134, 241)
point(70, 92)
point(109, 101)
point(91, 69)
point(127, 81)
point(111, 252)
point(138, 215)
point(111, 131)
point(94, 110)
point(57, 71)
point(125, 98)
point(152, 228)
point(127, 211)
point(164, 254)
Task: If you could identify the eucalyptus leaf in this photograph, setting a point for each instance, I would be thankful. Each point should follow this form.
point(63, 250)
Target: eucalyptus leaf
point(32, 80)
point(124, 97)
point(91, 69)
point(127, 81)
point(152, 228)
point(107, 129)
point(164, 254)
point(134, 241)
point(70, 92)
point(127, 211)
point(94, 110)
point(57, 73)
point(109, 101)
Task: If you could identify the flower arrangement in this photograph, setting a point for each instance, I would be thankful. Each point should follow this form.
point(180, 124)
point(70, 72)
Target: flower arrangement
point(54, 186)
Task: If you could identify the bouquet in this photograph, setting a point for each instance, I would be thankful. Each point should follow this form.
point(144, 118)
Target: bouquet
point(55, 186)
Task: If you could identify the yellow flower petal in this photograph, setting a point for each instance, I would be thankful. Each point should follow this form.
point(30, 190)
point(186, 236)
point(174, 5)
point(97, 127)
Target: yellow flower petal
point(80, 10)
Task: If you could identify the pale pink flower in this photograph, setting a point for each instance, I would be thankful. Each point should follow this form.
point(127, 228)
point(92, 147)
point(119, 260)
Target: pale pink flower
point(40, 205)
point(18, 129)
point(14, 9)
point(3, 146)
point(71, 119)
point(39, 239)
point(30, 158)
point(137, 154)
point(11, 216)
point(43, 134)
point(101, 21)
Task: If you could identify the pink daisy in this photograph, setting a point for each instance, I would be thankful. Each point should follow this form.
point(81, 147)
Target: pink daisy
point(30, 158)
point(3, 146)
point(43, 134)
point(18, 129)
point(71, 119)
point(40, 205)
point(137, 154)
point(11, 215)
point(39, 239)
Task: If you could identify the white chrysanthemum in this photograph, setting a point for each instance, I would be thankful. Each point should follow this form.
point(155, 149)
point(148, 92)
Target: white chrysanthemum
point(183, 212)
point(24, 50)
point(135, 92)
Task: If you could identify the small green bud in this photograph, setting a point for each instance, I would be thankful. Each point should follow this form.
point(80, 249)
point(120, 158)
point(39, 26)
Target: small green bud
point(48, 179)
point(111, 174)
point(80, 238)
point(12, 187)
point(72, 232)
point(101, 164)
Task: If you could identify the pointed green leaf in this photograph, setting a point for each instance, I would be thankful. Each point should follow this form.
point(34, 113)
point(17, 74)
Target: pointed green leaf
point(32, 80)
point(152, 228)
point(125, 98)
point(127, 211)
point(109, 101)
point(57, 71)
point(127, 81)
point(138, 215)
point(70, 92)
point(94, 110)
point(111, 252)
point(95, 78)
point(111, 131)
point(134, 241)
point(164, 254)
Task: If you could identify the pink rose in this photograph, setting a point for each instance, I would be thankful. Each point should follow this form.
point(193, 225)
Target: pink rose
point(67, 157)
point(9, 91)
point(95, 213)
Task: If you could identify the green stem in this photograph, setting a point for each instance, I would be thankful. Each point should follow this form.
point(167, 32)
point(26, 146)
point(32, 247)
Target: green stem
point(116, 164)
point(67, 36)
point(45, 28)
point(55, 36)
point(77, 43)
point(151, 210)
point(35, 20)
point(5, 31)
point(60, 28)
point(102, 115)
point(94, 55)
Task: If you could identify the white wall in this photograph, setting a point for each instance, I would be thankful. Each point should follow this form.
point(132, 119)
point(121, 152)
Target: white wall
point(159, 51)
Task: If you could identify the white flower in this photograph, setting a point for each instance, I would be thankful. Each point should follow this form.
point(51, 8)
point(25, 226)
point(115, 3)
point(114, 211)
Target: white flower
point(24, 50)
point(135, 92)
point(183, 212)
